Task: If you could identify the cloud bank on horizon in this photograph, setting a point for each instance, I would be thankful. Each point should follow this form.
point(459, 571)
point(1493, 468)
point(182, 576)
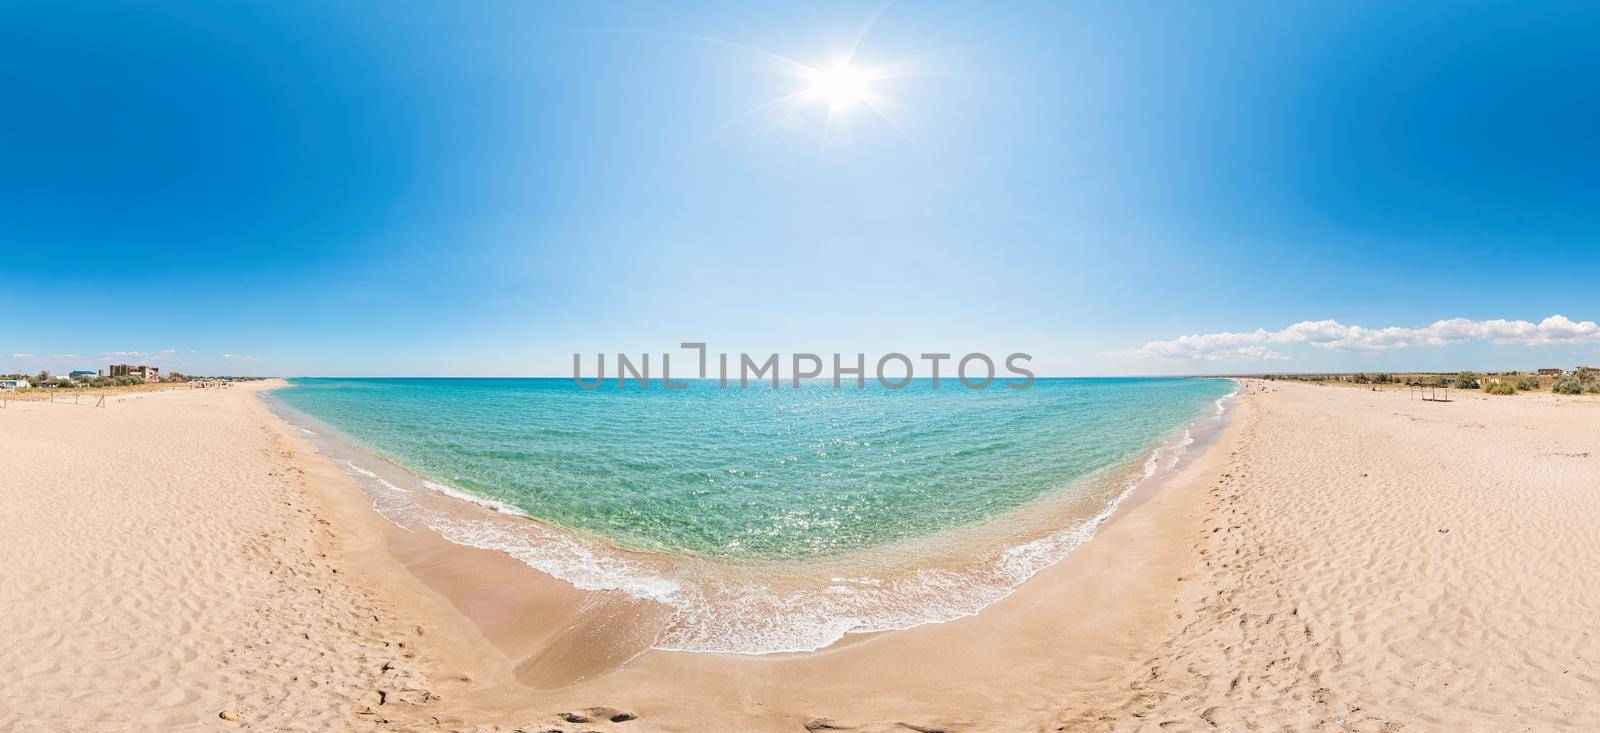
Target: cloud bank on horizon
point(1329, 334)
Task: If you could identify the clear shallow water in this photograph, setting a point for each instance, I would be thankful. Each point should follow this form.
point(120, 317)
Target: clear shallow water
point(772, 520)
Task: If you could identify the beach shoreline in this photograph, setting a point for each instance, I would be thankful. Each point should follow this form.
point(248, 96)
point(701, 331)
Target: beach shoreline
point(468, 617)
point(1056, 524)
point(571, 645)
point(1336, 559)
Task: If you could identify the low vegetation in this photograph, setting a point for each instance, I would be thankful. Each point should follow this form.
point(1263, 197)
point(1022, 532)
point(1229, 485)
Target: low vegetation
point(1580, 383)
point(47, 382)
point(44, 380)
point(1500, 388)
point(1576, 382)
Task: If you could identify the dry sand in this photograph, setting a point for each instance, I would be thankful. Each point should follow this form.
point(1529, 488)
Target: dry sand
point(162, 560)
point(1339, 559)
point(1376, 562)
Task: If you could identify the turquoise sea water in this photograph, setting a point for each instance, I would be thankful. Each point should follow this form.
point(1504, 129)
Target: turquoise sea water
point(902, 493)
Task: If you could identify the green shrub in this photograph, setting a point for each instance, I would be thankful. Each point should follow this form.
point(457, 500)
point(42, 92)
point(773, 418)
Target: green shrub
point(1528, 384)
point(1466, 380)
point(1500, 388)
point(1567, 384)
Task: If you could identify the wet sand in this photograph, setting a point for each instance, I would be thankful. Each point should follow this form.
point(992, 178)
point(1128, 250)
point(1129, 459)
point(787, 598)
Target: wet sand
point(553, 649)
point(247, 575)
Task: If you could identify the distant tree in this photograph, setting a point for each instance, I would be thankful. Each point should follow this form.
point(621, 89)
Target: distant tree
point(1466, 380)
point(1529, 383)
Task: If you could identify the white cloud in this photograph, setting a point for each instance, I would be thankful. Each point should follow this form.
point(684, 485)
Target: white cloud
point(161, 355)
point(1329, 334)
point(241, 357)
point(22, 356)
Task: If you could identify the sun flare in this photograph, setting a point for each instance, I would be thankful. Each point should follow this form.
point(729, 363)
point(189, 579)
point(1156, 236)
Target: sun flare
point(840, 87)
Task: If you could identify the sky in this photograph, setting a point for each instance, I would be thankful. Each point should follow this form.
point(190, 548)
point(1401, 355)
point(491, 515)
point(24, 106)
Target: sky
point(299, 188)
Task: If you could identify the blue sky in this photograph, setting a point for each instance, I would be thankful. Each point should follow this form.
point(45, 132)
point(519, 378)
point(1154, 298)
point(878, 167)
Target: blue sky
point(411, 189)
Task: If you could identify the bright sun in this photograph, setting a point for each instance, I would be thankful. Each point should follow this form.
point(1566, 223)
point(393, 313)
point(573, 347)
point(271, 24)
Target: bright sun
point(841, 86)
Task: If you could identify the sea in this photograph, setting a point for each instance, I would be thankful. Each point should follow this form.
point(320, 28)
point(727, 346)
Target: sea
point(764, 519)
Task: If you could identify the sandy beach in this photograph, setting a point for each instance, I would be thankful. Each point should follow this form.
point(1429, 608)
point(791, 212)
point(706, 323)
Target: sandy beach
point(1370, 561)
point(731, 367)
point(1338, 559)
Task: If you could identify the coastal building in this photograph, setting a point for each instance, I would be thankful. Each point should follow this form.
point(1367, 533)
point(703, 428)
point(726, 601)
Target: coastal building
point(1585, 369)
point(80, 373)
point(147, 373)
point(1551, 372)
point(14, 384)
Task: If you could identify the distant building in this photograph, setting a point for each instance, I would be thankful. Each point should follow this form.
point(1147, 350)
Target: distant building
point(80, 374)
point(147, 373)
point(1551, 372)
point(14, 384)
point(1585, 369)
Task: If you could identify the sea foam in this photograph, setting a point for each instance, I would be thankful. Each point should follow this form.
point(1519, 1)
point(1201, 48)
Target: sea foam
point(735, 606)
